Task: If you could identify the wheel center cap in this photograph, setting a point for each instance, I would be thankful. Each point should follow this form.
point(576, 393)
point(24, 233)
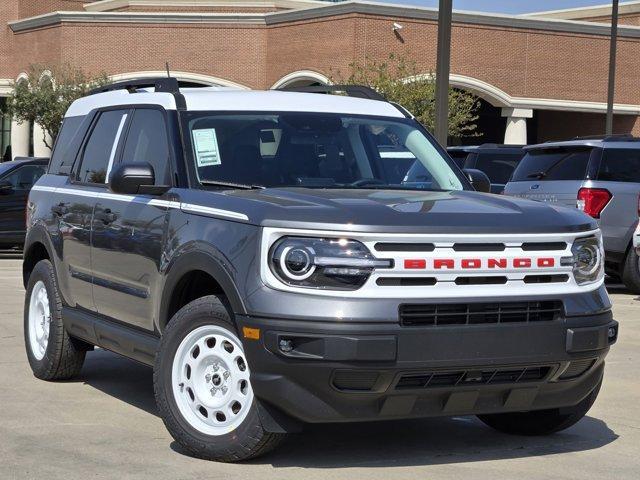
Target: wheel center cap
point(216, 377)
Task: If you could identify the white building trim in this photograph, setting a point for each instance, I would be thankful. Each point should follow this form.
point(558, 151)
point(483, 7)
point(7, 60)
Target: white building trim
point(576, 13)
point(184, 76)
point(5, 87)
point(301, 75)
point(110, 5)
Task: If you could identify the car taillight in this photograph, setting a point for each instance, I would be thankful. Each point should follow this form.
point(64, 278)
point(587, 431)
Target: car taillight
point(593, 200)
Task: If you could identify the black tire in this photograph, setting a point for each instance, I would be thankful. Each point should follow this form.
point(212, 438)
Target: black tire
point(541, 422)
point(631, 272)
point(249, 439)
point(63, 359)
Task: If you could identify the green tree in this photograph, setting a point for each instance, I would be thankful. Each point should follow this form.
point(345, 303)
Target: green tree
point(45, 94)
point(399, 80)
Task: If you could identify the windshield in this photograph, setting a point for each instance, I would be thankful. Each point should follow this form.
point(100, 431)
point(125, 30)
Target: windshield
point(316, 150)
point(553, 164)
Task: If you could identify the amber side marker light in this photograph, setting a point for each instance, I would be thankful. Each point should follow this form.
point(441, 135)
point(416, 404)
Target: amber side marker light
point(251, 333)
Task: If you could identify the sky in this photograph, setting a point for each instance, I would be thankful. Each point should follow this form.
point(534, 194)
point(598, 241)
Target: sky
point(507, 6)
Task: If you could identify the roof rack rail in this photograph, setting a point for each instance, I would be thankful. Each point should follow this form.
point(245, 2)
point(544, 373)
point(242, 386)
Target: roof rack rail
point(618, 137)
point(162, 84)
point(358, 91)
point(500, 145)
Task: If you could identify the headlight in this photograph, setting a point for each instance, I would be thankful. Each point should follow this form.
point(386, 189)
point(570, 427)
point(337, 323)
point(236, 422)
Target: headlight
point(586, 260)
point(324, 263)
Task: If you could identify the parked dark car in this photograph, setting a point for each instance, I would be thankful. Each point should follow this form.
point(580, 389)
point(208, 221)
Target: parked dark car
point(497, 161)
point(16, 180)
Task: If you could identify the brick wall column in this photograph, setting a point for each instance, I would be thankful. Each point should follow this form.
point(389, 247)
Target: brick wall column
point(516, 131)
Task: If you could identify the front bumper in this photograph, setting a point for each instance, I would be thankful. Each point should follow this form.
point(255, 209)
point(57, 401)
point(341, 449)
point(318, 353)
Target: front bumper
point(338, 372)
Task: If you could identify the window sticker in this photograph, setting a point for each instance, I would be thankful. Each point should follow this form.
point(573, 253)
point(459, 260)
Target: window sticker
point(205, 142)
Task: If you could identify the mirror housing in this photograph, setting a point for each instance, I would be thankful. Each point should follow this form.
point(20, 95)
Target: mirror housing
point(134, 179)
point(478, 179)
point(6, 187)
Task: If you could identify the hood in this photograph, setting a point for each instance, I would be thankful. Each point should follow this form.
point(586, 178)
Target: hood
point(370, 210)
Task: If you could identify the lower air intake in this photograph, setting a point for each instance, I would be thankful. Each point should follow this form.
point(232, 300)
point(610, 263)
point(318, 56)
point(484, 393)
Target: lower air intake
point(464, 378)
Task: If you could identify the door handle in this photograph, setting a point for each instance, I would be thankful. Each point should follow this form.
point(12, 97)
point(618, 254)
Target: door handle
point(106, 216)
point(60, 209)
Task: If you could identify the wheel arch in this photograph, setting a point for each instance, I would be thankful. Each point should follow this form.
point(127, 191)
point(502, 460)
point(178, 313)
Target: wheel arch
point(190, 267)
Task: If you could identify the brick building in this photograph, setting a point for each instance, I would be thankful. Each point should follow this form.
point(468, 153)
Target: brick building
point(539, 77)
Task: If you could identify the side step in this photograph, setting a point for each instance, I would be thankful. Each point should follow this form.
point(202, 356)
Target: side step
point(118, 338)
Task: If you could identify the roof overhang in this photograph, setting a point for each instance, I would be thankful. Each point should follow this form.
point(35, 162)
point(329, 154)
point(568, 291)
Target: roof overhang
point(110, 5)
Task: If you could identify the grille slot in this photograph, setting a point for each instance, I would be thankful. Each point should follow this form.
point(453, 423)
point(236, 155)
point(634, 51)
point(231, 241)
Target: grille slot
point(355, 380)
point(405, 281)
point(540, 246)
point(559, 278)
point(481, 280)
point(487, 376)
point(404, 247)
point(479, 313)
point(577, 368)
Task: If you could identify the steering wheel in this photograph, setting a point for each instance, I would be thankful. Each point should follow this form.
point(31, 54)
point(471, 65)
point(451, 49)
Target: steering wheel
point(368, 181)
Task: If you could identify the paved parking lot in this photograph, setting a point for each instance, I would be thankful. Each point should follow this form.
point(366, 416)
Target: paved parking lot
point(104, 425)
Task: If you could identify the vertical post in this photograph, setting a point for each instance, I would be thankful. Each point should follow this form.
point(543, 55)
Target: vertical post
point(612, 67)
point(443, 64)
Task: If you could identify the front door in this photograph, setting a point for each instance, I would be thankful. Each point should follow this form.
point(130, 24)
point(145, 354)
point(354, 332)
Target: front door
point(129, 231)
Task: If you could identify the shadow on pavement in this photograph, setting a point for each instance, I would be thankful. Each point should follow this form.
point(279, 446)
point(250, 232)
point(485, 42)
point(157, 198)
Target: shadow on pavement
point(393, 443)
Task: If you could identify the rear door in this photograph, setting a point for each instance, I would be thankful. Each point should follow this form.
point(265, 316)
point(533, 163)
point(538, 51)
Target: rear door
point(552, 175)
point(78, 198)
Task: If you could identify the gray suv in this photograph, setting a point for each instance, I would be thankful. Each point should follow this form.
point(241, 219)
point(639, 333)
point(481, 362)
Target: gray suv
point(599, 175)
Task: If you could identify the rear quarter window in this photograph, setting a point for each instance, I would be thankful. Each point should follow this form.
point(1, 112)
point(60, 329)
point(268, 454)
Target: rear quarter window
point(61, 156)
point(553, 164)
point(620, 165)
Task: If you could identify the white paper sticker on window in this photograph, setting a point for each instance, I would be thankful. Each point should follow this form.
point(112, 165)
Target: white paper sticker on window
point(206, 146)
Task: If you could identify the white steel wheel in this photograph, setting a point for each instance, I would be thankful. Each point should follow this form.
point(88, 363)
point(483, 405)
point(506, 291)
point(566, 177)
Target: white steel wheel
point(210, 380)
point(39, 320)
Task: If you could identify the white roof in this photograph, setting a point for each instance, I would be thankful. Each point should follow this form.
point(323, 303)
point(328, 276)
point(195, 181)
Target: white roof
point(227, 99)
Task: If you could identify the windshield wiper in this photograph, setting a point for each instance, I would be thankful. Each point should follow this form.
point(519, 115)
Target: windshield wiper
point(216, 183)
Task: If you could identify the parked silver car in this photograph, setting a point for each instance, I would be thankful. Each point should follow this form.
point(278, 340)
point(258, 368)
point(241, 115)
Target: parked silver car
point(600, 176)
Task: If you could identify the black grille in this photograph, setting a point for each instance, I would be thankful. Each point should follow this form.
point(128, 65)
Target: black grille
point(462, 378)
point(479, 313)
point(577, 368)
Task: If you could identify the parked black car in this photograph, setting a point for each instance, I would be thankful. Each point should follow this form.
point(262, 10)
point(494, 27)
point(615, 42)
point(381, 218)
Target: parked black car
point(16, 180)
point(497, 161)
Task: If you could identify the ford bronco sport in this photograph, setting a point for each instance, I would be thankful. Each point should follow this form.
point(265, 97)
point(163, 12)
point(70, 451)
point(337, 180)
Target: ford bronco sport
point(260, 253)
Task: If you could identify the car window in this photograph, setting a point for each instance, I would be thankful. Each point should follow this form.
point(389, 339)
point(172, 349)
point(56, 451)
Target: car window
point(497, 166)
point(23, 178)
point(147, 142)
point(459, 157)
point(553, 164)
point(620, 165)
point(316, 150)
point(395, 158)
point(60, 157)
point(100, 149)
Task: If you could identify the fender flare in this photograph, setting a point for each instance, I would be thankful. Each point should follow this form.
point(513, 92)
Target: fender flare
point(208, 260)
point(37, 234)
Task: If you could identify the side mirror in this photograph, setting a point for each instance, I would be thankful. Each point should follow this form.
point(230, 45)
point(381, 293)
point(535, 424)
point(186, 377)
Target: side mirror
point(478, 179)
point(6, 187)
point(134, 179)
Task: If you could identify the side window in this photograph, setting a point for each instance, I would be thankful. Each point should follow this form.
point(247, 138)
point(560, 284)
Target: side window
point(620, 165)
point(61, 157)
point(23, 178)
point(499, 166)
point(147, 142)
point(100, 149)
